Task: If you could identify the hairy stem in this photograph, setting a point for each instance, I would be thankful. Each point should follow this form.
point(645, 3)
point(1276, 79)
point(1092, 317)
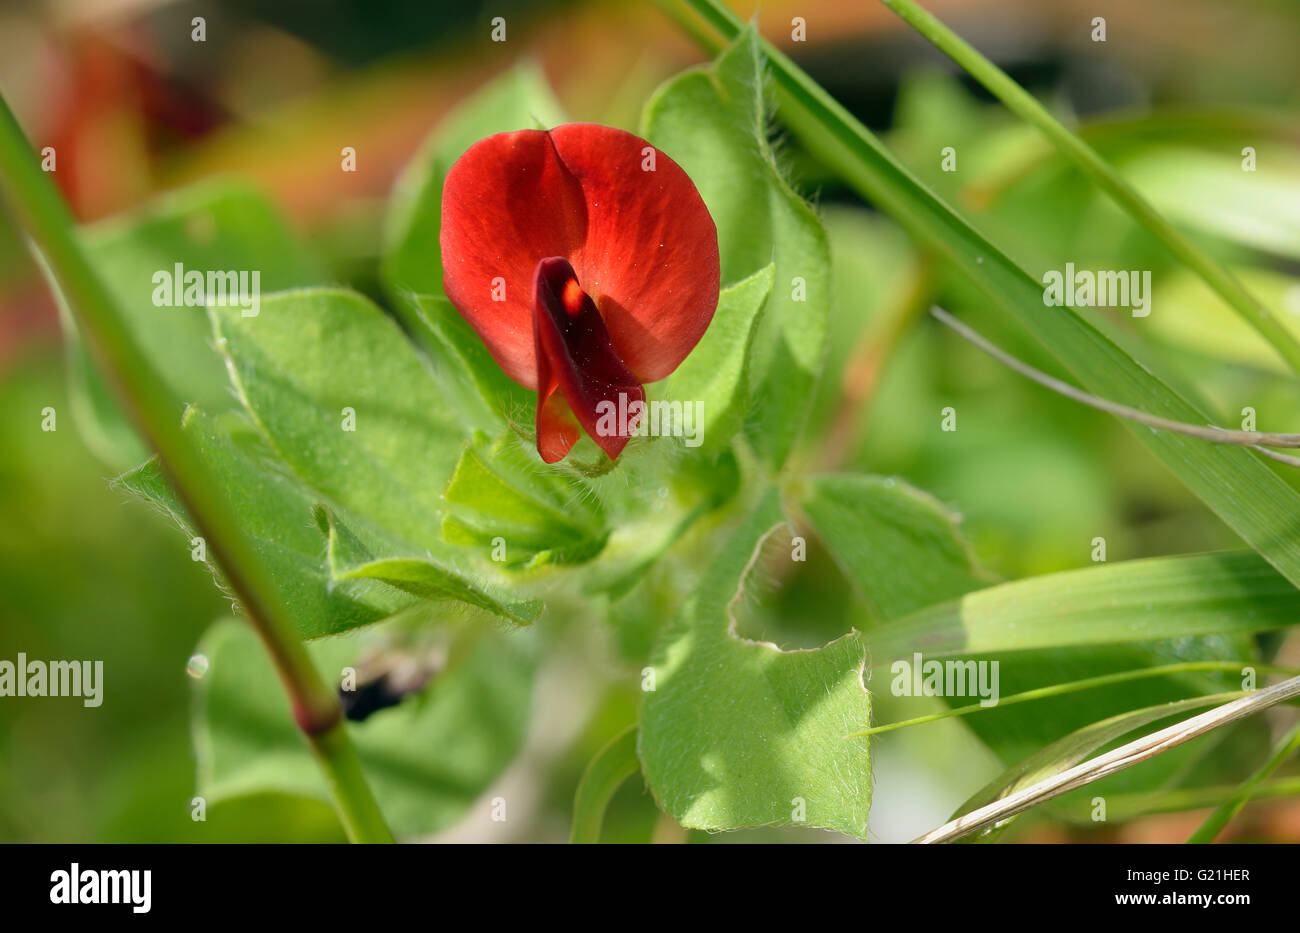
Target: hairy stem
point(38, 207)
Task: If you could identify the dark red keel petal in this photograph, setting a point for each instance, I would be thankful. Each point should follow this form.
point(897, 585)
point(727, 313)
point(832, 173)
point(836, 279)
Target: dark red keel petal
point(577, 365)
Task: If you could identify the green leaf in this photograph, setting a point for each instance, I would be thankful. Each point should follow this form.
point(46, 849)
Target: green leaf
point(1204, 328)
point(100, 420)
point(898, 544)
point(276, 513)
point(539, 517)
point(216, 226)
point(520, 99)
point(485, 396)
point(1233, 592)
point(905, 556)
point(350, 559)
point(428, 758)
point(613, 765)
point(739, 733)
point(715, 373)
point(712, 122)
point(318, 362)
point(429, 580)
point(1212, 194)
point(344, 398)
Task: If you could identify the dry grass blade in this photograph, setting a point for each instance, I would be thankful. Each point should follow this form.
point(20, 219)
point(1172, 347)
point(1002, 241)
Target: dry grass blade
point(1123, 757)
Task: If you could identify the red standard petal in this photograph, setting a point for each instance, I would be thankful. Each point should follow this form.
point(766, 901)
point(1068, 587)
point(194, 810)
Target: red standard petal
point(580, 377)
point(626, 217)
point(650, 257)
point(507, 203)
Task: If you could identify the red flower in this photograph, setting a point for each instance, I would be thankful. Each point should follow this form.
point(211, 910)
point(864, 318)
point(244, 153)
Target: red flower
point(586, 261)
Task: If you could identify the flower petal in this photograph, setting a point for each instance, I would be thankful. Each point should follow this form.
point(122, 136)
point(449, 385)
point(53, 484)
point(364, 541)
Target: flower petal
point(507, 203)
point(650, 257)
point(577, 365)
point(624, 214)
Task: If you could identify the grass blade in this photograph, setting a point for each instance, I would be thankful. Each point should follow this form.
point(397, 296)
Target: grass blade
point(1073, 686)
point(613, 765)
point(1224, 813)
point(1233, 482)
point(1117, 760)
point(1140, 600)
point(1022, 104)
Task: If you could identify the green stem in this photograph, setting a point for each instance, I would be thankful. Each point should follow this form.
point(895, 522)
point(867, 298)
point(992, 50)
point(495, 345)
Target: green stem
point(1224, 813)
point(38, 207)
point(701, 37)
point(356, 806)
point(1073, 686)
point(1070, 145)
point(613, 765)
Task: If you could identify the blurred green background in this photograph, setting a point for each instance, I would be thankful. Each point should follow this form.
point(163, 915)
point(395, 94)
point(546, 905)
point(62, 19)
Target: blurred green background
point(134, 107)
